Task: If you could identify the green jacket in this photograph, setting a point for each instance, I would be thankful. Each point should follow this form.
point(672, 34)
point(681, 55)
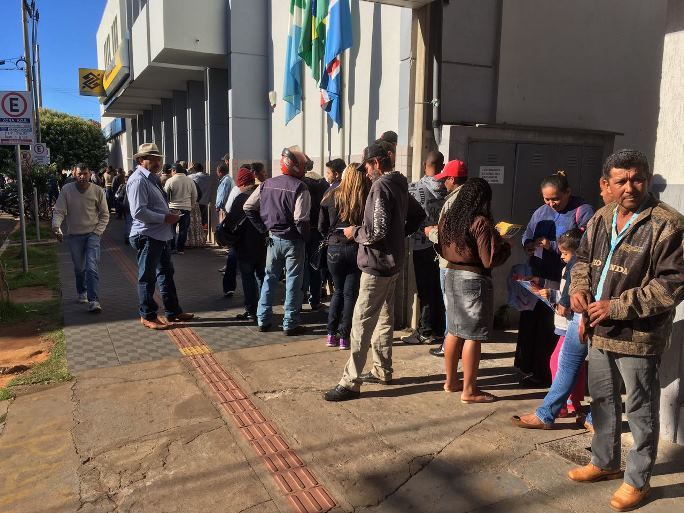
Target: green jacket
point(645, 281)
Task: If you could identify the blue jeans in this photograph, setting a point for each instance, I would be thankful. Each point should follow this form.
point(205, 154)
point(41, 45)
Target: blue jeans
point(572, 356)
point(289, 254)
point(252, 277)
point(85, 254)
point(442, 278)
point(183, 224)
point(230, 276)
point(346, 277)
point(154, 265)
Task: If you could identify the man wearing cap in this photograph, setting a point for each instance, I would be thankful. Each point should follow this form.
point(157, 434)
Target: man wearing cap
point(281, 206)
point(430, 193)
point(454, 175)
point(389, 216)
point(150, 233)
point(250, 245)
point(182, 195)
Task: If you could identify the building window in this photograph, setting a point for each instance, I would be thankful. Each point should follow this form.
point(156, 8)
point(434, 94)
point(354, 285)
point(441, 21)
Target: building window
point(107, 54)
point(115, 35)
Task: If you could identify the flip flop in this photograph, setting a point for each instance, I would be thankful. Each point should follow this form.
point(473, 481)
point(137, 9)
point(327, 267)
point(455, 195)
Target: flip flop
point(528, 422)
point(483, 397)
point(450, 391)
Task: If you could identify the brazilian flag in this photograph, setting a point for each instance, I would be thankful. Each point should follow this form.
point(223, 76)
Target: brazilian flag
point(312, 42)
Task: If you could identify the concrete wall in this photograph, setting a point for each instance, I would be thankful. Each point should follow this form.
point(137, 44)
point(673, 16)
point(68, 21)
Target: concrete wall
point(113, 8)
point(371, 73)
point(583, 64)
point(669, 182)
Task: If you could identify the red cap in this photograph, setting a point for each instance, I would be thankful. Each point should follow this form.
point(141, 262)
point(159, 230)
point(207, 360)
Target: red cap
point(244, 177)
point(453, 168)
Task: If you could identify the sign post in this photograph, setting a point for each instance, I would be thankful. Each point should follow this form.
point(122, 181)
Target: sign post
point(16, 127)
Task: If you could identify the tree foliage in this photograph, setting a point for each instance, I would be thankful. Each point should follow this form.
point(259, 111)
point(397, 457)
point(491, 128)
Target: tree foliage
point(72, 140)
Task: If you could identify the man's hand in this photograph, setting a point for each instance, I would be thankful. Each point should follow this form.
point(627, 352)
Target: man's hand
point(544, 243)
point(598, 312)
point(58, 234)
point(545, 293)
point(579, 301)
point(171, 218)
point(562, 311)
point(349, 232)
point(429, 229)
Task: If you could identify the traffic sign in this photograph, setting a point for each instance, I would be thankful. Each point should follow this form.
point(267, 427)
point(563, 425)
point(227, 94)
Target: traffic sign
point(41, 154)
point(16, 118)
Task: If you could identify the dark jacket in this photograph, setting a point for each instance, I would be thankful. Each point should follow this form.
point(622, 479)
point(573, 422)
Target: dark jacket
point(329, 222)
point(251, 243)
point(645, 281)
point(317, 188)
point(391, 214)
point(483, 250)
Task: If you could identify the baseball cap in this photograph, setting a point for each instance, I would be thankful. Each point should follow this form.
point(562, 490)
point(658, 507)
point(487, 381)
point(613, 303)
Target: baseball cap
point(390, 137)
point(453, 169)
point(374, 151)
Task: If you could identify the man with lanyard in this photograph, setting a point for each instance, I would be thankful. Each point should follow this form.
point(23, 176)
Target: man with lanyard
point(150, 233)
point(628, 280)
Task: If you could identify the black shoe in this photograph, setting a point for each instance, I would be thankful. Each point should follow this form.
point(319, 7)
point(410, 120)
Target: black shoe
point(246, 316)
point(222, 270)
point(340, 393)
point(230, 293)
point(437, 351)
point(531, 381)
point(293, 332)
point(264, 328)
point(369, 377)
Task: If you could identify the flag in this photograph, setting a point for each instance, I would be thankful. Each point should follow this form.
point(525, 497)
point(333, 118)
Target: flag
point(292, 88)
point(312, 43)
point(338, 39)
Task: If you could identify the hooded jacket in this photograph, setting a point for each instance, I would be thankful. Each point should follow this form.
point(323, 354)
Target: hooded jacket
point(430, 193)
point(389, 216)
point(645, 280)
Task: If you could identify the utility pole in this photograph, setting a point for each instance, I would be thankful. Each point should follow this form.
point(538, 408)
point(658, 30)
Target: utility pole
point(38, 79)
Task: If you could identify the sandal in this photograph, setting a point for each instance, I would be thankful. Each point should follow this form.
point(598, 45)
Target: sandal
point(452, 390)
point(482, 397)
point(529, 421)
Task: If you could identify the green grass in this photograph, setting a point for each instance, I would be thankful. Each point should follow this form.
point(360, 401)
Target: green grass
point(42, 262)
point(52, 370)
point(21, 312)
point(5, 393)
point(45, 232)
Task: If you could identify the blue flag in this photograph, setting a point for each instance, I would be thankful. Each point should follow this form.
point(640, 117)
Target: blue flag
point(292, 88)
point(338, 39)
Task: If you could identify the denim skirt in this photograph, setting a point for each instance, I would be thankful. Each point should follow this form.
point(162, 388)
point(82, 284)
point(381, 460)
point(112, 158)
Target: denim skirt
point(469, 304)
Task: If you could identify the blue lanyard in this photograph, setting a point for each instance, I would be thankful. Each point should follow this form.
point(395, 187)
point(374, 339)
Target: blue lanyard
point(615, 240)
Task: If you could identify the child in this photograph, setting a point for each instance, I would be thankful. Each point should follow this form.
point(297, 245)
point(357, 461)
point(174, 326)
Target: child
point(568, 244)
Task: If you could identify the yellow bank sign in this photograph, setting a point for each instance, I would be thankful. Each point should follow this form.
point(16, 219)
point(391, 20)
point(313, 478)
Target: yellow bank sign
point(90, 82)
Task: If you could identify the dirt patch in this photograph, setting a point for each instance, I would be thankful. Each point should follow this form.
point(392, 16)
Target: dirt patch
point(21, 347)
point(31, 294)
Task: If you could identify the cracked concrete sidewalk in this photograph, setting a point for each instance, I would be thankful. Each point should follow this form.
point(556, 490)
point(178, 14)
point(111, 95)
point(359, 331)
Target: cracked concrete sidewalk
point(148, 438)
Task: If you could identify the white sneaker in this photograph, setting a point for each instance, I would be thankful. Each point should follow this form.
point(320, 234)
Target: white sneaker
point(83, 298)
point(415, 338)
point(94, 307)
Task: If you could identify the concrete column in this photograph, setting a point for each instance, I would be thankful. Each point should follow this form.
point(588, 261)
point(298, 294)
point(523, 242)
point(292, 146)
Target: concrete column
point(147, 127)
point(180, 125)
point(133, 129)
point(669, 183)
point(216, 82)
point(196, 145)
point(168, 146)
point(157, 125)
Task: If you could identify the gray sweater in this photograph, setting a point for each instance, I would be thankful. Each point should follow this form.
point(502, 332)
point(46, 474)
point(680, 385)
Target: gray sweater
point(84, 212)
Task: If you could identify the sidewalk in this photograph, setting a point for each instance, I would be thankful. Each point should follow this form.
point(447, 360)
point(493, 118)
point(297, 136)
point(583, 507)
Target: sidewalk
point(217, 417)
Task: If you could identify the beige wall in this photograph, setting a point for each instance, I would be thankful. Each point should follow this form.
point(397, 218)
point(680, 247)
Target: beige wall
point(583, 64)
point(372, 101)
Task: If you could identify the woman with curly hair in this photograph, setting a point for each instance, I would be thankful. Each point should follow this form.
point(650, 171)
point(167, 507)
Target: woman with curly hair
point(471, 244)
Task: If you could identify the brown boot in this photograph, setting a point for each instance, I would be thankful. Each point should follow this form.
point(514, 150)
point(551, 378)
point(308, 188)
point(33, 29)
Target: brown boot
point(591, 473)
point(154, 324)
point(627, 498)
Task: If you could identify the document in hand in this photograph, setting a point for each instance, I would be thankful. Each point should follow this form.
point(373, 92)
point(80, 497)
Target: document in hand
point(535, 290)
point(507, 230)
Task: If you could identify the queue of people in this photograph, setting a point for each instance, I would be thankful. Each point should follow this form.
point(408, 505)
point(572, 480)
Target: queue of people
point(602, 285)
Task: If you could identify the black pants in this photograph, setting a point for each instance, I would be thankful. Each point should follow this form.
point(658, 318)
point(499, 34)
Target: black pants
point(536, 342)
point(426, 268)
point(346, 278)
point(203, 213)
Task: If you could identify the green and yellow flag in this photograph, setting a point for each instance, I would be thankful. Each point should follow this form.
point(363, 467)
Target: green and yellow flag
point(312, 42)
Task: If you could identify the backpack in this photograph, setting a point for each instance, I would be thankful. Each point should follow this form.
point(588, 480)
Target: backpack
point(227, 233)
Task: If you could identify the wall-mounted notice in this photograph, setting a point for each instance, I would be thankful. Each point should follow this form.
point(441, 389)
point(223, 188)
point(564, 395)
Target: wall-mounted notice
point(493, 174)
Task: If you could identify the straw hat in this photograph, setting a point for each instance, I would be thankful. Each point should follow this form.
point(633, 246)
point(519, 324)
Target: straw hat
point(146, 149)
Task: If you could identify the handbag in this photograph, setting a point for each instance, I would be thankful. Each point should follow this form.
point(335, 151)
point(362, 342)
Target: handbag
point(227, 234)
point(320, 256)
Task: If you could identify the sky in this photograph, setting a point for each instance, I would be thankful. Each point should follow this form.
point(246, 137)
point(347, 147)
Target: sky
point(66, 34)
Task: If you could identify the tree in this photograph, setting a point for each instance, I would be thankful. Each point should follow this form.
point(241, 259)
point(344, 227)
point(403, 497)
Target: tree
point(72, 140)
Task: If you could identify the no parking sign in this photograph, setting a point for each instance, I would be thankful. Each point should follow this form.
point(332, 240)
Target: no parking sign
point(16, 118)
point(41, 154)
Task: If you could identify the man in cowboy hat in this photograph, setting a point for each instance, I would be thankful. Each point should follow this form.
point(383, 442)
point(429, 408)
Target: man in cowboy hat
point(151, 231)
